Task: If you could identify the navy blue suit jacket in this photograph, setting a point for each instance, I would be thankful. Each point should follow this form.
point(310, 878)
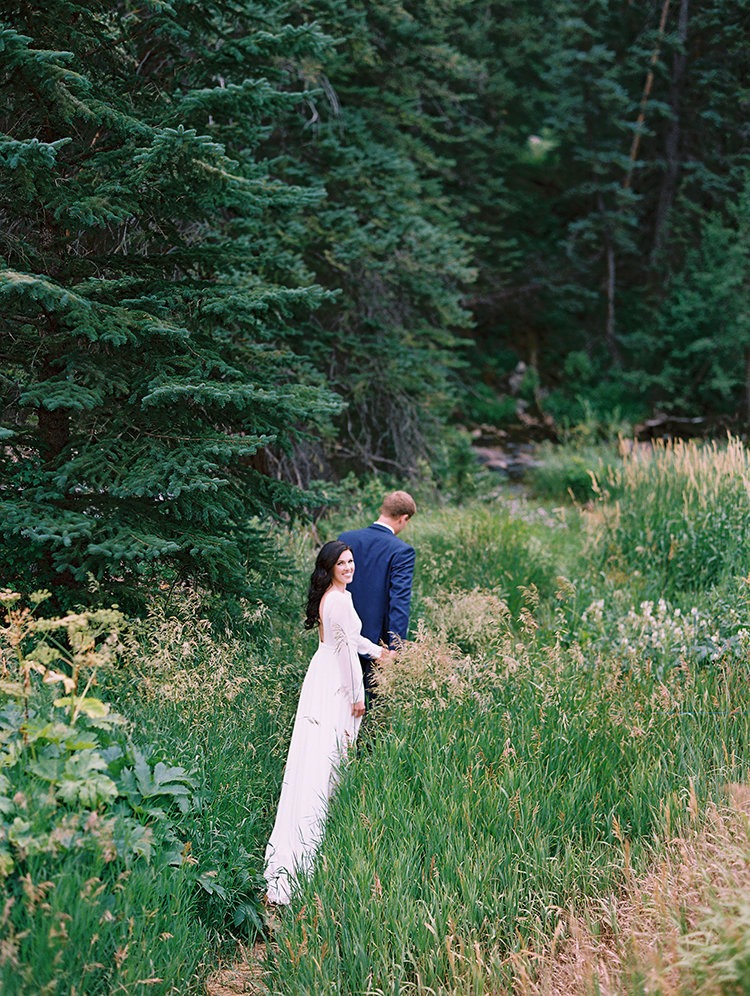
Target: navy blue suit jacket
point(381, 587)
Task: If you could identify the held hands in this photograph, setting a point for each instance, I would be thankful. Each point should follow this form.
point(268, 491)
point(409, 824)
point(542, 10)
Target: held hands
point(358, 708)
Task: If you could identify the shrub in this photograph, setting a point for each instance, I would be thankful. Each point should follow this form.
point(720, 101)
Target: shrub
point(571, 472)
point(93, 827)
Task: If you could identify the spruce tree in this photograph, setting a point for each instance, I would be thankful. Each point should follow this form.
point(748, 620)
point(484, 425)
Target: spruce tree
point(696, 352)
point(385, 238)
point(611, 131)
point(147, 298)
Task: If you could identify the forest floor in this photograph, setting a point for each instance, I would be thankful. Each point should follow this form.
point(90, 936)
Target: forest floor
point(244, 976)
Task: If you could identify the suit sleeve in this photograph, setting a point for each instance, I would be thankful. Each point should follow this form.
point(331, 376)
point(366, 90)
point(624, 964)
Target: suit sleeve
point(399, 594)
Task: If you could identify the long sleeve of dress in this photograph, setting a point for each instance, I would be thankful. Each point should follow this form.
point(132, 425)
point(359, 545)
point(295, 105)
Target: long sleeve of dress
point(342, 631)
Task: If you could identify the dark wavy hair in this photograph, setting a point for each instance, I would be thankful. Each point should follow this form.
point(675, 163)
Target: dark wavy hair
point(320, 579)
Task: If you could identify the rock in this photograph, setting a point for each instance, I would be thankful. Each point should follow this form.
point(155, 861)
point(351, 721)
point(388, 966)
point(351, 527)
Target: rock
point(512, 460)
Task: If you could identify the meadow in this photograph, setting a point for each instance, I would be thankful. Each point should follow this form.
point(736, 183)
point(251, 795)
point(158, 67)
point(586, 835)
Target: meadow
point(550, 797)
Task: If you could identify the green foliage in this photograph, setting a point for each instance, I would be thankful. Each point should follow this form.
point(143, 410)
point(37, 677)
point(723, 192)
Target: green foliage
point(598, 409)
point(454, 475)
point(716, 958)
point(221, 700)
point(499, 792)
point(69, 788)
point(572, 472)
point(681, 519)
point(87, 813)
point(84, 926)
point(385, 237)
point(661, 635)
point(148, 303)
point(451, 475)
point(503, 551)
point(249, 244)
point(701, 329)
point(243, 244)
point(481, 404)
point(554, 745)
point(604, 141)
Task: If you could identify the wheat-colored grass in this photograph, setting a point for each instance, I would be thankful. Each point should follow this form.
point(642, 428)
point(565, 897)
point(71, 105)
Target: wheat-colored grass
point(244, 976)
point(668, 930)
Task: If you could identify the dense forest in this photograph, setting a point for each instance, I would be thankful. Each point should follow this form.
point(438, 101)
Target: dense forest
point(247, 247)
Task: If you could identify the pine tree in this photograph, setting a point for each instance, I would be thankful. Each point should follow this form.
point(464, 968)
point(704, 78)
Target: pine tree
point(635, 112)
point(571, 149)
point(384, 238)
point(148, 300)
point(696, 353)
point(500, 182)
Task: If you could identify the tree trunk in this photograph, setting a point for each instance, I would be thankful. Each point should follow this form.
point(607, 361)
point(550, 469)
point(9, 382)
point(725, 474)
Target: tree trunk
point(610, 327)
point(54, 432)
point(672, 141)
point(54, 425)
point(644, 99)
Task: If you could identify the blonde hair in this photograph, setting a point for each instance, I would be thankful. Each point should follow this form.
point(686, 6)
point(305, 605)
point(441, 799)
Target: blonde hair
point(398, 503)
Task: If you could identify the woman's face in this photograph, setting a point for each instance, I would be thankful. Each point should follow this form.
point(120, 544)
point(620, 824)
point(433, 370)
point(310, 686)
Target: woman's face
point(343, 572)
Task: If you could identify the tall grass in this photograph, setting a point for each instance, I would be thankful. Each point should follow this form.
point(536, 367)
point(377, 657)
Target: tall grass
point(570, 473)
point(88, 927)
point(677, 515)
point(499, 547)
point(678, 929)
point(496, 793)
point(224, 703)
point(531, 747)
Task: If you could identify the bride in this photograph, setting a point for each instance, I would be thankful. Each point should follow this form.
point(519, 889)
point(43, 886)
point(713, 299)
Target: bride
point(329, 713)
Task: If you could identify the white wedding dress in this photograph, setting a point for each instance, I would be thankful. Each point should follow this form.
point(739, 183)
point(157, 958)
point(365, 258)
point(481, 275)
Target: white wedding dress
point(324, 729)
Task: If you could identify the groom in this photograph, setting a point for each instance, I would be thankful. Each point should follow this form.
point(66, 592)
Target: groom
point(384, 569)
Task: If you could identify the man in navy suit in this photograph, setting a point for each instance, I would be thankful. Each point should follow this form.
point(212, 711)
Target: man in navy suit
point(384, 569)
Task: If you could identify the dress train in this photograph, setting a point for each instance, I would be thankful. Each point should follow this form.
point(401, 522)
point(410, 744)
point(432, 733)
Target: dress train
point(324, 730)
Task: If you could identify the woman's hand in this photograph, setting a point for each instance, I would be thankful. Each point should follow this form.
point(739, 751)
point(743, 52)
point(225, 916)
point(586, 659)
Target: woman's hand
point(387, 655)
point(358, 709)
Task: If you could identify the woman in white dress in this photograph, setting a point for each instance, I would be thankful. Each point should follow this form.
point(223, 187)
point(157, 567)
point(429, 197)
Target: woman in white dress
point(329, 713)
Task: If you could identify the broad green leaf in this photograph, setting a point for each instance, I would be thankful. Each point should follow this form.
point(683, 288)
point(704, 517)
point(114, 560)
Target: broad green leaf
point(6, 863)
point(41, 729)
point(13, 688)
point(49, 769)
point(84, 763)
point(94, 708)
point(142, 773)
point(90, 792)
point(208, 881)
